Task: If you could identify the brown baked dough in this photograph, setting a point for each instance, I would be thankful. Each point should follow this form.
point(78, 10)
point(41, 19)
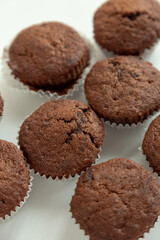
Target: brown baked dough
point(127, 27)
point(123, 89)
point(116, 200)
point(14, 178)
point(1, 105)
point(48, 55)
point(61, 138)
point(151, 145)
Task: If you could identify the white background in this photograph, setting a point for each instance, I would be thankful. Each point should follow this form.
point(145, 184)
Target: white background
point(45, 215)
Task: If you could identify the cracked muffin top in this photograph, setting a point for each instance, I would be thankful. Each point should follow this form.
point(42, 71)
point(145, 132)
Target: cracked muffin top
point(48, 55)
point(61, 138)
point(123, 89)
point(14, 178)
point(127, 27)
point(116, 200)
point(151, 145)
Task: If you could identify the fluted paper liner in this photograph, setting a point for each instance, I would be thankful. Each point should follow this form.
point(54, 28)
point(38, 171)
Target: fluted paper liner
point(133, 125)
point(17, 208)
point(64, 178)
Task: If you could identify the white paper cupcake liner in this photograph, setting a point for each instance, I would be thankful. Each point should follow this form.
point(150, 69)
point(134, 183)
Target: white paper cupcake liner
point(13, 213)
point(76, 223)
point(144, 158)
point(149, 232)
point(133, 125)
point(17, 84)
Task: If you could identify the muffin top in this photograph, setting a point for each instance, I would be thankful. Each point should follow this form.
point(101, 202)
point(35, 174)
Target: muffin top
point(151, 144)
point(61, 138)
point(116, 200)
point(48, 55)
point(14, 177)
point(123, 89)
point(127, 27)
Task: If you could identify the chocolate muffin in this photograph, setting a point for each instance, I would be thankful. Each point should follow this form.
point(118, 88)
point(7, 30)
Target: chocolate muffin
point(151, 145)
point(116, 200)
point(48, 56)
point(1, 105)
point(61, 138)
point(14, 178)
point(123, 89)
point(127, 27)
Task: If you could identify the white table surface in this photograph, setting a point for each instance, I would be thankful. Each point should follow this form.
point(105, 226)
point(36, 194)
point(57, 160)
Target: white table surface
point(45, 215)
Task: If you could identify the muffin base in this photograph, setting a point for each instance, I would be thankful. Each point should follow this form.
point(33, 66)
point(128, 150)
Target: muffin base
point(133, 125)
point(150, 167)
point(140, 54)
point(63, 178)
point(143, 237)
point(17, 208)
